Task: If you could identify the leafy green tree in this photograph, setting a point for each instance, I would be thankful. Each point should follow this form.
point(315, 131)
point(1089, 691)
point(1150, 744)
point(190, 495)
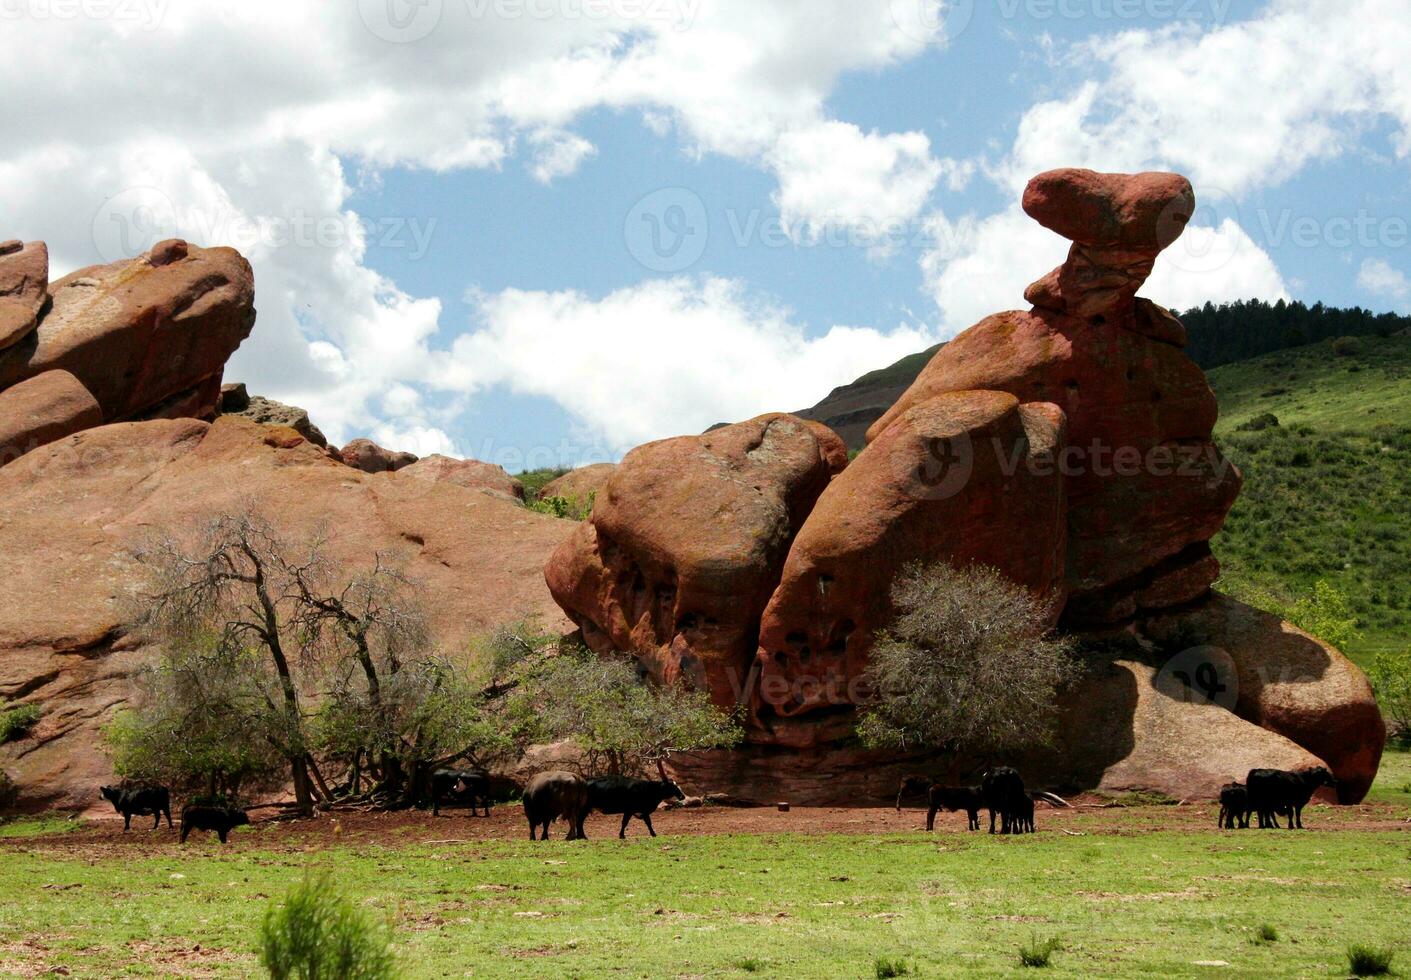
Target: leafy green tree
point(967, 666)
point(1390, 675)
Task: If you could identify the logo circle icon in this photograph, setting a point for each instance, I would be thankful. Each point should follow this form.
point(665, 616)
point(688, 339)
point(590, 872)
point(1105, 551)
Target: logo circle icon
point(1200, 675)
point(132, 221)
point(667, 230)
point(1202, 248)
point(400, 21)
point(938, 468)
point(932, 20)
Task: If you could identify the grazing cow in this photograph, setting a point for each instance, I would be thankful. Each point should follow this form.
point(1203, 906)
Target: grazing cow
point(552, 795)
point(631, 798)
point(470, 786)
point(150, 801)
point(1003, 789)
point(1274, 791)
point(221, 819)
point(1234, 806)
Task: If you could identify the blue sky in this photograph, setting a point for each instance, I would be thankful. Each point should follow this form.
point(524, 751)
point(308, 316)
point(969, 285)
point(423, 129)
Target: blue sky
point(451, 204)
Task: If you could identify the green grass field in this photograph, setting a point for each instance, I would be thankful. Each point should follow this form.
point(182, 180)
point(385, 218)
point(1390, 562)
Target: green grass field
point(1327, 494)
point(1123, 896)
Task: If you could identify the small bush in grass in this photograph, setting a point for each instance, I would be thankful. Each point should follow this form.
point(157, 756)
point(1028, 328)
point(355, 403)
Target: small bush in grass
point(317, 934)
point(1368, 961)
point(751, 965)
point(888, 967)
point(1039, 952)
point(1266, 934)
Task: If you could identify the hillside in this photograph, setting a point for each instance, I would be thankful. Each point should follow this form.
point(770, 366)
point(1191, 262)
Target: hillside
point(1326, 494)
point(849, 409)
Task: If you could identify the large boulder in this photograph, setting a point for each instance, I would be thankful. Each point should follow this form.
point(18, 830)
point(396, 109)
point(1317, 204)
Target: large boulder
point(967, 478)
point(74, 509)
point(685, 545)
point(579, 484)
point(469, 473)
point(368, 456)
point(41, 410)
point(1290, 683)
point(148, 337)
point(24, 281)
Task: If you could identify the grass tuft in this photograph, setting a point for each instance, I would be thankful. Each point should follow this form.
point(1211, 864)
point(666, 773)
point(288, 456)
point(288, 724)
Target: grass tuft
point(887, 967)
point(1266, 934)
point(1038, 952)
point(1368, 961)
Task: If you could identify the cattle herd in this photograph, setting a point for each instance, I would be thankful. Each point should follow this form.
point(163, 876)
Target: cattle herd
point(561, 795)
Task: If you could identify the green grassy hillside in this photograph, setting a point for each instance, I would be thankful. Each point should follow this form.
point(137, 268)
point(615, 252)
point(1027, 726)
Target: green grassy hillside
point(1326, 493)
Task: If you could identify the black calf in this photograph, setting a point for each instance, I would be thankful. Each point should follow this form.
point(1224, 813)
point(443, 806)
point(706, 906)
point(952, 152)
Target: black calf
point(460, 786)
point(1234, 806)
point(221, 819)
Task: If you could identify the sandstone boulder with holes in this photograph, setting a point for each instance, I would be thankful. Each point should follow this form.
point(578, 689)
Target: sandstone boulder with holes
point(685, 546)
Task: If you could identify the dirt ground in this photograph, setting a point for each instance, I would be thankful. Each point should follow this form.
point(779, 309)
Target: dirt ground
point(104, 833)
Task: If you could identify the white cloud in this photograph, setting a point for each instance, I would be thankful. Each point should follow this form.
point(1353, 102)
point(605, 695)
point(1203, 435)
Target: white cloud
point(1376, 276)
point(833, 175)
point(104, 110)
point(667, 357)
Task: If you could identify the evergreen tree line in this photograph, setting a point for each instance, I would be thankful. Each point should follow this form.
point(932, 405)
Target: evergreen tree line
point(1248, 328)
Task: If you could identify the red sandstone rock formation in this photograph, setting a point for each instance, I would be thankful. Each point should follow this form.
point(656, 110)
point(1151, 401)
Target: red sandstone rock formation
point(47, 407)
point(469, 473)
point(368, 456)
point(581, 483)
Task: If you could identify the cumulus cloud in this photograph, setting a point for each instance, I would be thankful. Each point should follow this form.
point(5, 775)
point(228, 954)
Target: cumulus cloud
point(115, 137)
point(1378, 277)
point(669, 356)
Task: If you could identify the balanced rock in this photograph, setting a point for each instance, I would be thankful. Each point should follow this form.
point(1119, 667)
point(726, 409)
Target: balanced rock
point(24, 282)
point(148, 337)
point(685, 545)
point(469, 473)
point(581, 483)
point(969, 478)
point(368, 456)
point(41, 410)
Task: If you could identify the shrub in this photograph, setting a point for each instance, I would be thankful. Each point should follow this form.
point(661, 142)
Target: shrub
point(1038, 952)
point(9, 793)
point(886, 967)
point(1347, 346)
point(1266, 934)
point(317, 934)
point(967, 665)
point(567, 508)
point(1368, 961)
point(1390, 675)
point(1260, 422)
point(16, 721)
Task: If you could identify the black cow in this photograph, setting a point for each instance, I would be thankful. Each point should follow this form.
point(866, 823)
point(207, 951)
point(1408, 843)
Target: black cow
point(1234, 806)
point(1003, 789)
point(552, 795)
point(150, 801)
point(1022, 816)
point(221, 819)
point(631, 798)
point(971, 799)
point(1274, 791)
point(468, 786)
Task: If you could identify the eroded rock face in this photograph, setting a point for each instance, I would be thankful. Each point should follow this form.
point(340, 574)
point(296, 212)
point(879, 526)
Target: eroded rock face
point(24, 281)
point(969, 476)
point(685, 545)
point(368, 456)
point(148, 337)
point(236, 400)
point(73, 509)
point(469, 473)
point(41, 410)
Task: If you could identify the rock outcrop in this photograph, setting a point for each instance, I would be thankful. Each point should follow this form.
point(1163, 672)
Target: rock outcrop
point(74, 508)
point(41, 410)
point(368, 456)
point(685, 546)
point(579, 484)
point(24, 282)
point(1069, 446)
point(235, 399)
point(148, 337)
point(469, 473)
